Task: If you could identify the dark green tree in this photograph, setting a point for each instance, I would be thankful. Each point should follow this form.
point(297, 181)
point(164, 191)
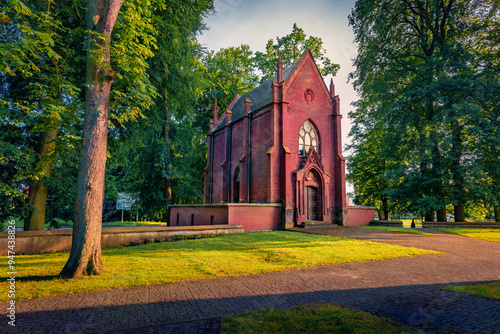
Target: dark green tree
point(39, 43)
point(419, 78)
point(156, 156)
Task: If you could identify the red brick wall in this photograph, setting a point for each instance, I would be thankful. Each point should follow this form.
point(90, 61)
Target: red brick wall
point(202, 215)
point(219, 173)
point(261, 143)
point(360, 216)
point(238, 150)
point(253, 217)
point(319, 113)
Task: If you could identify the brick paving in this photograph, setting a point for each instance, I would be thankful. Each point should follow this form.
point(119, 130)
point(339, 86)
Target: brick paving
point(406, 289)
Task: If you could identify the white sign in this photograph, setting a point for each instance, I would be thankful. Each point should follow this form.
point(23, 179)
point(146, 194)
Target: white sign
point(125, 201)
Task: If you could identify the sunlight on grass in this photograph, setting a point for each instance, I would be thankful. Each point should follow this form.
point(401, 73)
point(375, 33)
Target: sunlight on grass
point(486, 290)
point(397, 229)
point(168, 262)
point(311, 319)
point(489, 234)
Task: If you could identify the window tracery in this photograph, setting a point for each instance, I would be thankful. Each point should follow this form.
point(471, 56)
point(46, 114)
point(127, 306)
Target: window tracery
point(307, 138)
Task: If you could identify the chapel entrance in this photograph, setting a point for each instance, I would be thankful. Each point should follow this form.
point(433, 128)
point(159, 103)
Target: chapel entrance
point(313, 204)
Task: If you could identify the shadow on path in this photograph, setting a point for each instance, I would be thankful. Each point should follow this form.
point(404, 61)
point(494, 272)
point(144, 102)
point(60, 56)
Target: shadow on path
point(426, 307)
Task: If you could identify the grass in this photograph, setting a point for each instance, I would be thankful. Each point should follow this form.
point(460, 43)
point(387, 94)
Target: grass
point(490, 234)
point(169, 262)
point(397, 229)
point(486, 290)
point(311, 319)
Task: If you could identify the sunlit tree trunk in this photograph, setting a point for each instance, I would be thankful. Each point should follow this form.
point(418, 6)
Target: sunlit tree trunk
point(85, 256)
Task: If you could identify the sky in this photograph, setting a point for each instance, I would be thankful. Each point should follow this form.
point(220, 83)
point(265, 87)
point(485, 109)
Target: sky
point(254, 22)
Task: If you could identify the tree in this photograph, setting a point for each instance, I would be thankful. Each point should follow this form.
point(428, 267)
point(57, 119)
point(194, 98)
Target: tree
point(290, 48)
point(368, 165)
point(85, 256)
point(40, 88)
point(419, 77)
point(159, 157)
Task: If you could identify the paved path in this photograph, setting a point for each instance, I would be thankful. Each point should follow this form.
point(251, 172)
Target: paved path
point(407, 289)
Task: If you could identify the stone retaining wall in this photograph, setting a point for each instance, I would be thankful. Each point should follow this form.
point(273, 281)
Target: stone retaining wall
point(38, 242)
point(391, 223)
point(461, 225)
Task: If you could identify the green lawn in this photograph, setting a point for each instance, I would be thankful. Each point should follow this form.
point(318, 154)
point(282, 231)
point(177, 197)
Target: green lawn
point(487, 290)
point(397, 229)
point(311, 319)
point(490, 234)
point(169, 262)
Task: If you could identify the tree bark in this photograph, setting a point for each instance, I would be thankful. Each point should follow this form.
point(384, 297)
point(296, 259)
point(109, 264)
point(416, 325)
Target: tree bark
point(385, 207)
point(429, 216)
point(496, 209)
point(459, 213)
point(457, 171)
point(381, 215)
point(85, 256)
point(38, 191)
point(441, 215)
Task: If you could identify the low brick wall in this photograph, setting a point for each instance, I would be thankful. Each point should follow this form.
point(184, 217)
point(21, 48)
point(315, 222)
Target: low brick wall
point(462, 225)
point(391, 223)
point(252, 216)
point(38, 242)
point(360, 215)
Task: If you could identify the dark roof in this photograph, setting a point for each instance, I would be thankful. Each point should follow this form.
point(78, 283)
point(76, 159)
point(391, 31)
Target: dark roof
point(260, 97)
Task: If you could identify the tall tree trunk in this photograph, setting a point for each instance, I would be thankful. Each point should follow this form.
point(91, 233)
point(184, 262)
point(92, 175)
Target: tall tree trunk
point(459, 213)
point(457, 171)
point(385, 207)
point(167, 157)
point(38, 190)
point(85, 256)
point(441, 215)
point(381, 215)
point(429, 216)
point(496, 209)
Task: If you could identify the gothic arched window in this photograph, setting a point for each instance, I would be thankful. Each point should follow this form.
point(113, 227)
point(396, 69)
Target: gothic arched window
point(307, 138)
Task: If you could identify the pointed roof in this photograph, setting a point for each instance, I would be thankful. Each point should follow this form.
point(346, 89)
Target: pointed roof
point(260, 96)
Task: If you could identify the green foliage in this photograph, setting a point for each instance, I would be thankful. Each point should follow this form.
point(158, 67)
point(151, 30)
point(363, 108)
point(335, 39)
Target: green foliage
point(161, 156)
point(14, 162)
point(290, 48)
point(230, 71)
point(41, 97)
point(428, 85)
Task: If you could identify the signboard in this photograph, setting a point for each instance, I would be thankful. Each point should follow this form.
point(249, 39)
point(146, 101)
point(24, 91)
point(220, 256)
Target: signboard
point(125, 201)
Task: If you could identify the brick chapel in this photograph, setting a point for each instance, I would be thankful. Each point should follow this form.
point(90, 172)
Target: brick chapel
point(280, 145)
